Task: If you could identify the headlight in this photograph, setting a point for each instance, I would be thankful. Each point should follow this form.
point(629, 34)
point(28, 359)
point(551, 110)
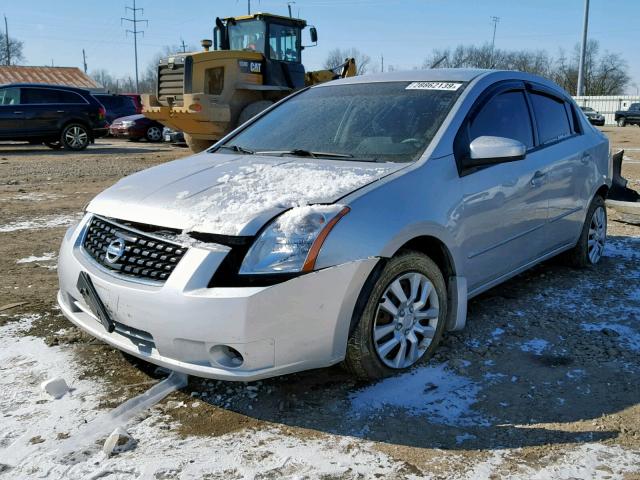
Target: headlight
point(291, 243)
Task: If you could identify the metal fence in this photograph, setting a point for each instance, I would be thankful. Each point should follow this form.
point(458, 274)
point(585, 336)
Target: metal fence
point(608, 105)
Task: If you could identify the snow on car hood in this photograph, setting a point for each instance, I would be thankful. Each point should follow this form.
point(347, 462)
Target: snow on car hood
point(231, 194)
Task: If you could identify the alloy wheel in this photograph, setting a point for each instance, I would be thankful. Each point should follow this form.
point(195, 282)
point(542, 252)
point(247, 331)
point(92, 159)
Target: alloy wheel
point(154, 134)
point(76, 137)
point(406, 320)
point(597, 235)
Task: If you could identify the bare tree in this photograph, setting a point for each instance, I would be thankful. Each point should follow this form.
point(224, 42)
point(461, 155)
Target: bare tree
point(337, 56)
point(605, 74)
point(15, 50)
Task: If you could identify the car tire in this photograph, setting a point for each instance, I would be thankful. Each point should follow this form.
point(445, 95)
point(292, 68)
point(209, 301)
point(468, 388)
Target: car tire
point(75, 137)
point(369, 354)
point(197, 145)
point(154, 134)
point(622, 122)
point(54, 145)
point(590, 247)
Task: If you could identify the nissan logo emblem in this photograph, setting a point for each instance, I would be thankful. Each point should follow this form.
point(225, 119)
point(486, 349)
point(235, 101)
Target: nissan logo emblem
point(115, 250)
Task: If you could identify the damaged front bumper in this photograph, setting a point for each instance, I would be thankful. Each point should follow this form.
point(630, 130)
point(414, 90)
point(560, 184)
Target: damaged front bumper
point(230, 333)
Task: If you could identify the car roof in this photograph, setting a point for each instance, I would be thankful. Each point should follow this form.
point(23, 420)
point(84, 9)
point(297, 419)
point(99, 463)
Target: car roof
point(446, 75)
point(47, 85)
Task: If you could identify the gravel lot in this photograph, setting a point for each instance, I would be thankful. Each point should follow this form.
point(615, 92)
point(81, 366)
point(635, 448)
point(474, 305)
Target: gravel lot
point(543, 382)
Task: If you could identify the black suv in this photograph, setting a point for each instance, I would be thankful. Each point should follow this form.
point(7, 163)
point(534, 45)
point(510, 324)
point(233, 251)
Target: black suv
point(51, 114)
point(116, 105)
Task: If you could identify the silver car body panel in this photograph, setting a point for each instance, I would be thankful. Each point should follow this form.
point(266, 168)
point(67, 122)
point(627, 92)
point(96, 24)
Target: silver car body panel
point(493, 224)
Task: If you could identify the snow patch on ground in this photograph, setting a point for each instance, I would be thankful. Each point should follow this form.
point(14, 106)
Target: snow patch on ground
point(628, 249)
point(536, 345)
point(431, 391)
point(33, 197)
point(627, 336)
point(50, 221)
point(45, 257)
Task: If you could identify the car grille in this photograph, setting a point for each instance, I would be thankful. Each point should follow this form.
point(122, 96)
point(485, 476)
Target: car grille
point(140, 255)
point(171, 84)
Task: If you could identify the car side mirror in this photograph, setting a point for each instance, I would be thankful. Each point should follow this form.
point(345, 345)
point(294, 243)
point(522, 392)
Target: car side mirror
point(314, 34)
point(487, 150)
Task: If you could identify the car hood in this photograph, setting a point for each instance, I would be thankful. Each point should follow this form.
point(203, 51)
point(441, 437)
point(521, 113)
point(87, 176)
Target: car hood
point(231, 194)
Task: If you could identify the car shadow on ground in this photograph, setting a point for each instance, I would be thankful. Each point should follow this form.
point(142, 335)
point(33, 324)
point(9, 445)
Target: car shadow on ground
point(543, 357)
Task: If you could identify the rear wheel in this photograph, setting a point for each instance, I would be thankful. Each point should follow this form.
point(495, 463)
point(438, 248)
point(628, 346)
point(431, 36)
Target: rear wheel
point(622, 122)
point(590, 247)
point(75, 136)
point(197, 145)
point(402, 320)
point(154, 134)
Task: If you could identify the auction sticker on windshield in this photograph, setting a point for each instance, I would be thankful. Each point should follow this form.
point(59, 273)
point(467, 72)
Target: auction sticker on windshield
point(452, 86)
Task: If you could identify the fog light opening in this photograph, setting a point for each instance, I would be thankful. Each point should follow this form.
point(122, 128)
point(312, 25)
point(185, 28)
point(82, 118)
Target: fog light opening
point(226, 356)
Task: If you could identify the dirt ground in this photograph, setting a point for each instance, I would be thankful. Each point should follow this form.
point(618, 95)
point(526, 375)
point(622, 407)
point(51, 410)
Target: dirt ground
point(544, 382)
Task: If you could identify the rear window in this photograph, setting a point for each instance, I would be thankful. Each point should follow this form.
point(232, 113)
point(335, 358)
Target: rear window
point(551, 118)
point(49, 95)
point(113, 101)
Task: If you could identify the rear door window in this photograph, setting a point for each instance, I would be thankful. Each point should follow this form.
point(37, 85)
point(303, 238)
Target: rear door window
point(505, 115)
point(47, 95)
point(551, 118)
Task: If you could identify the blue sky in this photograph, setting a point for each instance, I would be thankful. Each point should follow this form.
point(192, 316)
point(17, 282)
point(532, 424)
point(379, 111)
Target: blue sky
point(404, 31)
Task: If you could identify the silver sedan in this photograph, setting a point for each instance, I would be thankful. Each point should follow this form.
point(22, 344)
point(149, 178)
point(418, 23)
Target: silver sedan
point(350, 222)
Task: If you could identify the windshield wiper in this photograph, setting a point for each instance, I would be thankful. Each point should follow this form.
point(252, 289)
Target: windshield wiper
point(236, 148)
point(299, 152)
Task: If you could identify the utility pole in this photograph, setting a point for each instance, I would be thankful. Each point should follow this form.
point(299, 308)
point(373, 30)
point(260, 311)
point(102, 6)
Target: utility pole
point(183, 46)
point(583, 49)
point(289, 7)
point(135, 32)
point(381, 63)
point(6, 37)
point(248, 7)
point(84, 60)
point(495, 21)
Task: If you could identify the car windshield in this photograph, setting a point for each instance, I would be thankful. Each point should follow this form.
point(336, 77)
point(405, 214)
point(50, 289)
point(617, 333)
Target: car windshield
point(380, 122)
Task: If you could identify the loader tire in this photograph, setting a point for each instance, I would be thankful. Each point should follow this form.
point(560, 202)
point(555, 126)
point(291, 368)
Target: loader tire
point(252, 110)
point(197, 145)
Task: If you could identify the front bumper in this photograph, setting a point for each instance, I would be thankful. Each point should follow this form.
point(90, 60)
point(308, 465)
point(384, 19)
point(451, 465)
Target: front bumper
point(296, 325)
point(125, 132)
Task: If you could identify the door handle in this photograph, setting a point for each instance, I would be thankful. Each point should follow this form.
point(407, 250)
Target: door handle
point(538, 178)
point(17, 113)
point(586, 157)
point(59, 111)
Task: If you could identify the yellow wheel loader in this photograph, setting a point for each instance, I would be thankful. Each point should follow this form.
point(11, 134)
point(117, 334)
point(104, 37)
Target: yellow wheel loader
point(256, 61)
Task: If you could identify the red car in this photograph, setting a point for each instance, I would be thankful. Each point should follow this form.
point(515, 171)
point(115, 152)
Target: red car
point(136, 127)
point(137, 100)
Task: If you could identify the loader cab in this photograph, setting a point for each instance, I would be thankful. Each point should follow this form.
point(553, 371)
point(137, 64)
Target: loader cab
point(277, 38)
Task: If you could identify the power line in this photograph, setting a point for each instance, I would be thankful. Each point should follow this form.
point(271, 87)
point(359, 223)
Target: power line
point(583, 49)
point(495, 21)
point(135, 32)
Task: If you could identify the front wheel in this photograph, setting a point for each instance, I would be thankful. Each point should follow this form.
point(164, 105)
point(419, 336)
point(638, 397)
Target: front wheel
point(590, 247)
point(622, 122)
point(75, 136)
point(403, 318)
